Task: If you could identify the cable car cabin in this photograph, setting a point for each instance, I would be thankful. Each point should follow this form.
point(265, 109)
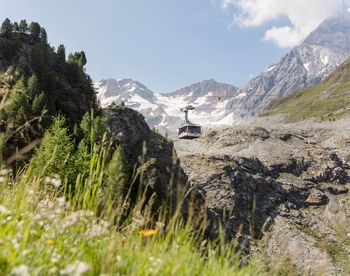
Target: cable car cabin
point(189, 131)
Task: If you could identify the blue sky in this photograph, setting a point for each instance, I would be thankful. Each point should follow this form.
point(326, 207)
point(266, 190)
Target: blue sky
point(165, 44)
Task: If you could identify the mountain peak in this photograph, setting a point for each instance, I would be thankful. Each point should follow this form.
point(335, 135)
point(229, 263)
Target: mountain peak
point(333, 33)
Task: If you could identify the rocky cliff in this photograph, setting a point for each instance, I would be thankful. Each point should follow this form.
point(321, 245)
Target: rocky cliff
point(154, 156)
point(280, 192)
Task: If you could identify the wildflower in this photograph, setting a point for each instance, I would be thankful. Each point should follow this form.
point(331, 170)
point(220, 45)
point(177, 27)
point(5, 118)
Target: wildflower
point(148, 233)
point(61, 201)
point(21, 270)
point(75, 218)
point(55, 258)
point(53, 270)
point(155, 261)
point(76, 269)
point(50, 242)
point(3, 210)
point(54, 181)
point(15, 243)
point(98, 229)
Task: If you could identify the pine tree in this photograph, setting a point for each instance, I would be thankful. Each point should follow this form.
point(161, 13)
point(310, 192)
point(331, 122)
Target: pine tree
point(43, 35)
point(15, 27)
point(117, 181)
point(18, 108)
point(61, 58)
point(35, 29)
point(33, 86)
point(6, 27)
point(23, 26)
point(61, 53)
point(82, 59)
point(93, 129)
point(54, 156)
point(38, 104)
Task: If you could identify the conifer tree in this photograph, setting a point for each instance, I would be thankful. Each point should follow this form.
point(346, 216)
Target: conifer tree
point(54, 156)
point(35, 29)
point(118, 176)
point(33, 86)
point(43, 35)
point(61, 58)
point(39, 103)
point(23, 26)
point(6, 27)
point(15, 27)
point(17, 105)
point(61, 52)
point(93, 129)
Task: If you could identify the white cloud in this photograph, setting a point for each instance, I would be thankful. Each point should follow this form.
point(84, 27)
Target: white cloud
point(304, 16)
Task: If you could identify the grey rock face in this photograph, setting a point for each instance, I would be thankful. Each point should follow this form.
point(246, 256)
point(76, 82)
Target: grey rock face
point(318, 56)
point(274, 185)
point(151, 153)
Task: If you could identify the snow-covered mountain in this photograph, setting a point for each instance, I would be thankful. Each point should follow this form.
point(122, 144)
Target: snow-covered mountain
point(318, 56)
point(162, 111)
point(223, 104)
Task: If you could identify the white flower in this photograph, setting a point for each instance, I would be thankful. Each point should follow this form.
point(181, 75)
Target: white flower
point(21, 270)
point(3, 210)
point(98, 229)
point(54, 181)
point(76, 269)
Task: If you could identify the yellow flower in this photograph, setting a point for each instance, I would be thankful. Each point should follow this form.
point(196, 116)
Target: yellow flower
point(50, 242)
point(148, 233)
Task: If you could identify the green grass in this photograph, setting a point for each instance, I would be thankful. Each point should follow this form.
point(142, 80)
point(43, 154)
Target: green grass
point(327, 101)
point(44, 233)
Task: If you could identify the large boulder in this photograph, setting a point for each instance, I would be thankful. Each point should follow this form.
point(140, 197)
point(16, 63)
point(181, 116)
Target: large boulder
point(153, 155)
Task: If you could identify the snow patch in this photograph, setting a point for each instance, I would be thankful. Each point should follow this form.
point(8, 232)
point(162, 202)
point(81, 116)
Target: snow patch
point(240, 96)
point(325, 60)
point(307, 66)
point(270, 68)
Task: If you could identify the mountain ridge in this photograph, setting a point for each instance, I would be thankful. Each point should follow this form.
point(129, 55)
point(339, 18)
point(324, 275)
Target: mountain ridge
point(162, 111)
point(224, 104)
point(303, 66)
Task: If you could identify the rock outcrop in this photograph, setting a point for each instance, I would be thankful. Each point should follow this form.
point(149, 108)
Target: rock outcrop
point(152, 154)
point(277, 186)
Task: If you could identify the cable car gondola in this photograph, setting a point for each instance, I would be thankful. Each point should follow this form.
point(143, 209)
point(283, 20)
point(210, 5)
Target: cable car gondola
point(189, 130)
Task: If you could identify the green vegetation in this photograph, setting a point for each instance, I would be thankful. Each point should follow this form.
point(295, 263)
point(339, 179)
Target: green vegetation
point(327, 101)
point(70, 203)
point(6, 27)
point(34, 91)
point(47, 228)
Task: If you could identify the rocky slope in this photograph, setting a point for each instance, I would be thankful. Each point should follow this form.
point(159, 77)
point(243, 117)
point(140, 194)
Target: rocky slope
point(279, 192)
point(162, 111)
point(319, 55)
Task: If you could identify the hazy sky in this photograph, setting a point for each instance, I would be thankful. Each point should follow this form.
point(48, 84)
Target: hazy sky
point(168, 44)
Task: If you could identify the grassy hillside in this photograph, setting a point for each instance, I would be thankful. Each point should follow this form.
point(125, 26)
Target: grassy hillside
point(46, 228)
point(327, 101)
